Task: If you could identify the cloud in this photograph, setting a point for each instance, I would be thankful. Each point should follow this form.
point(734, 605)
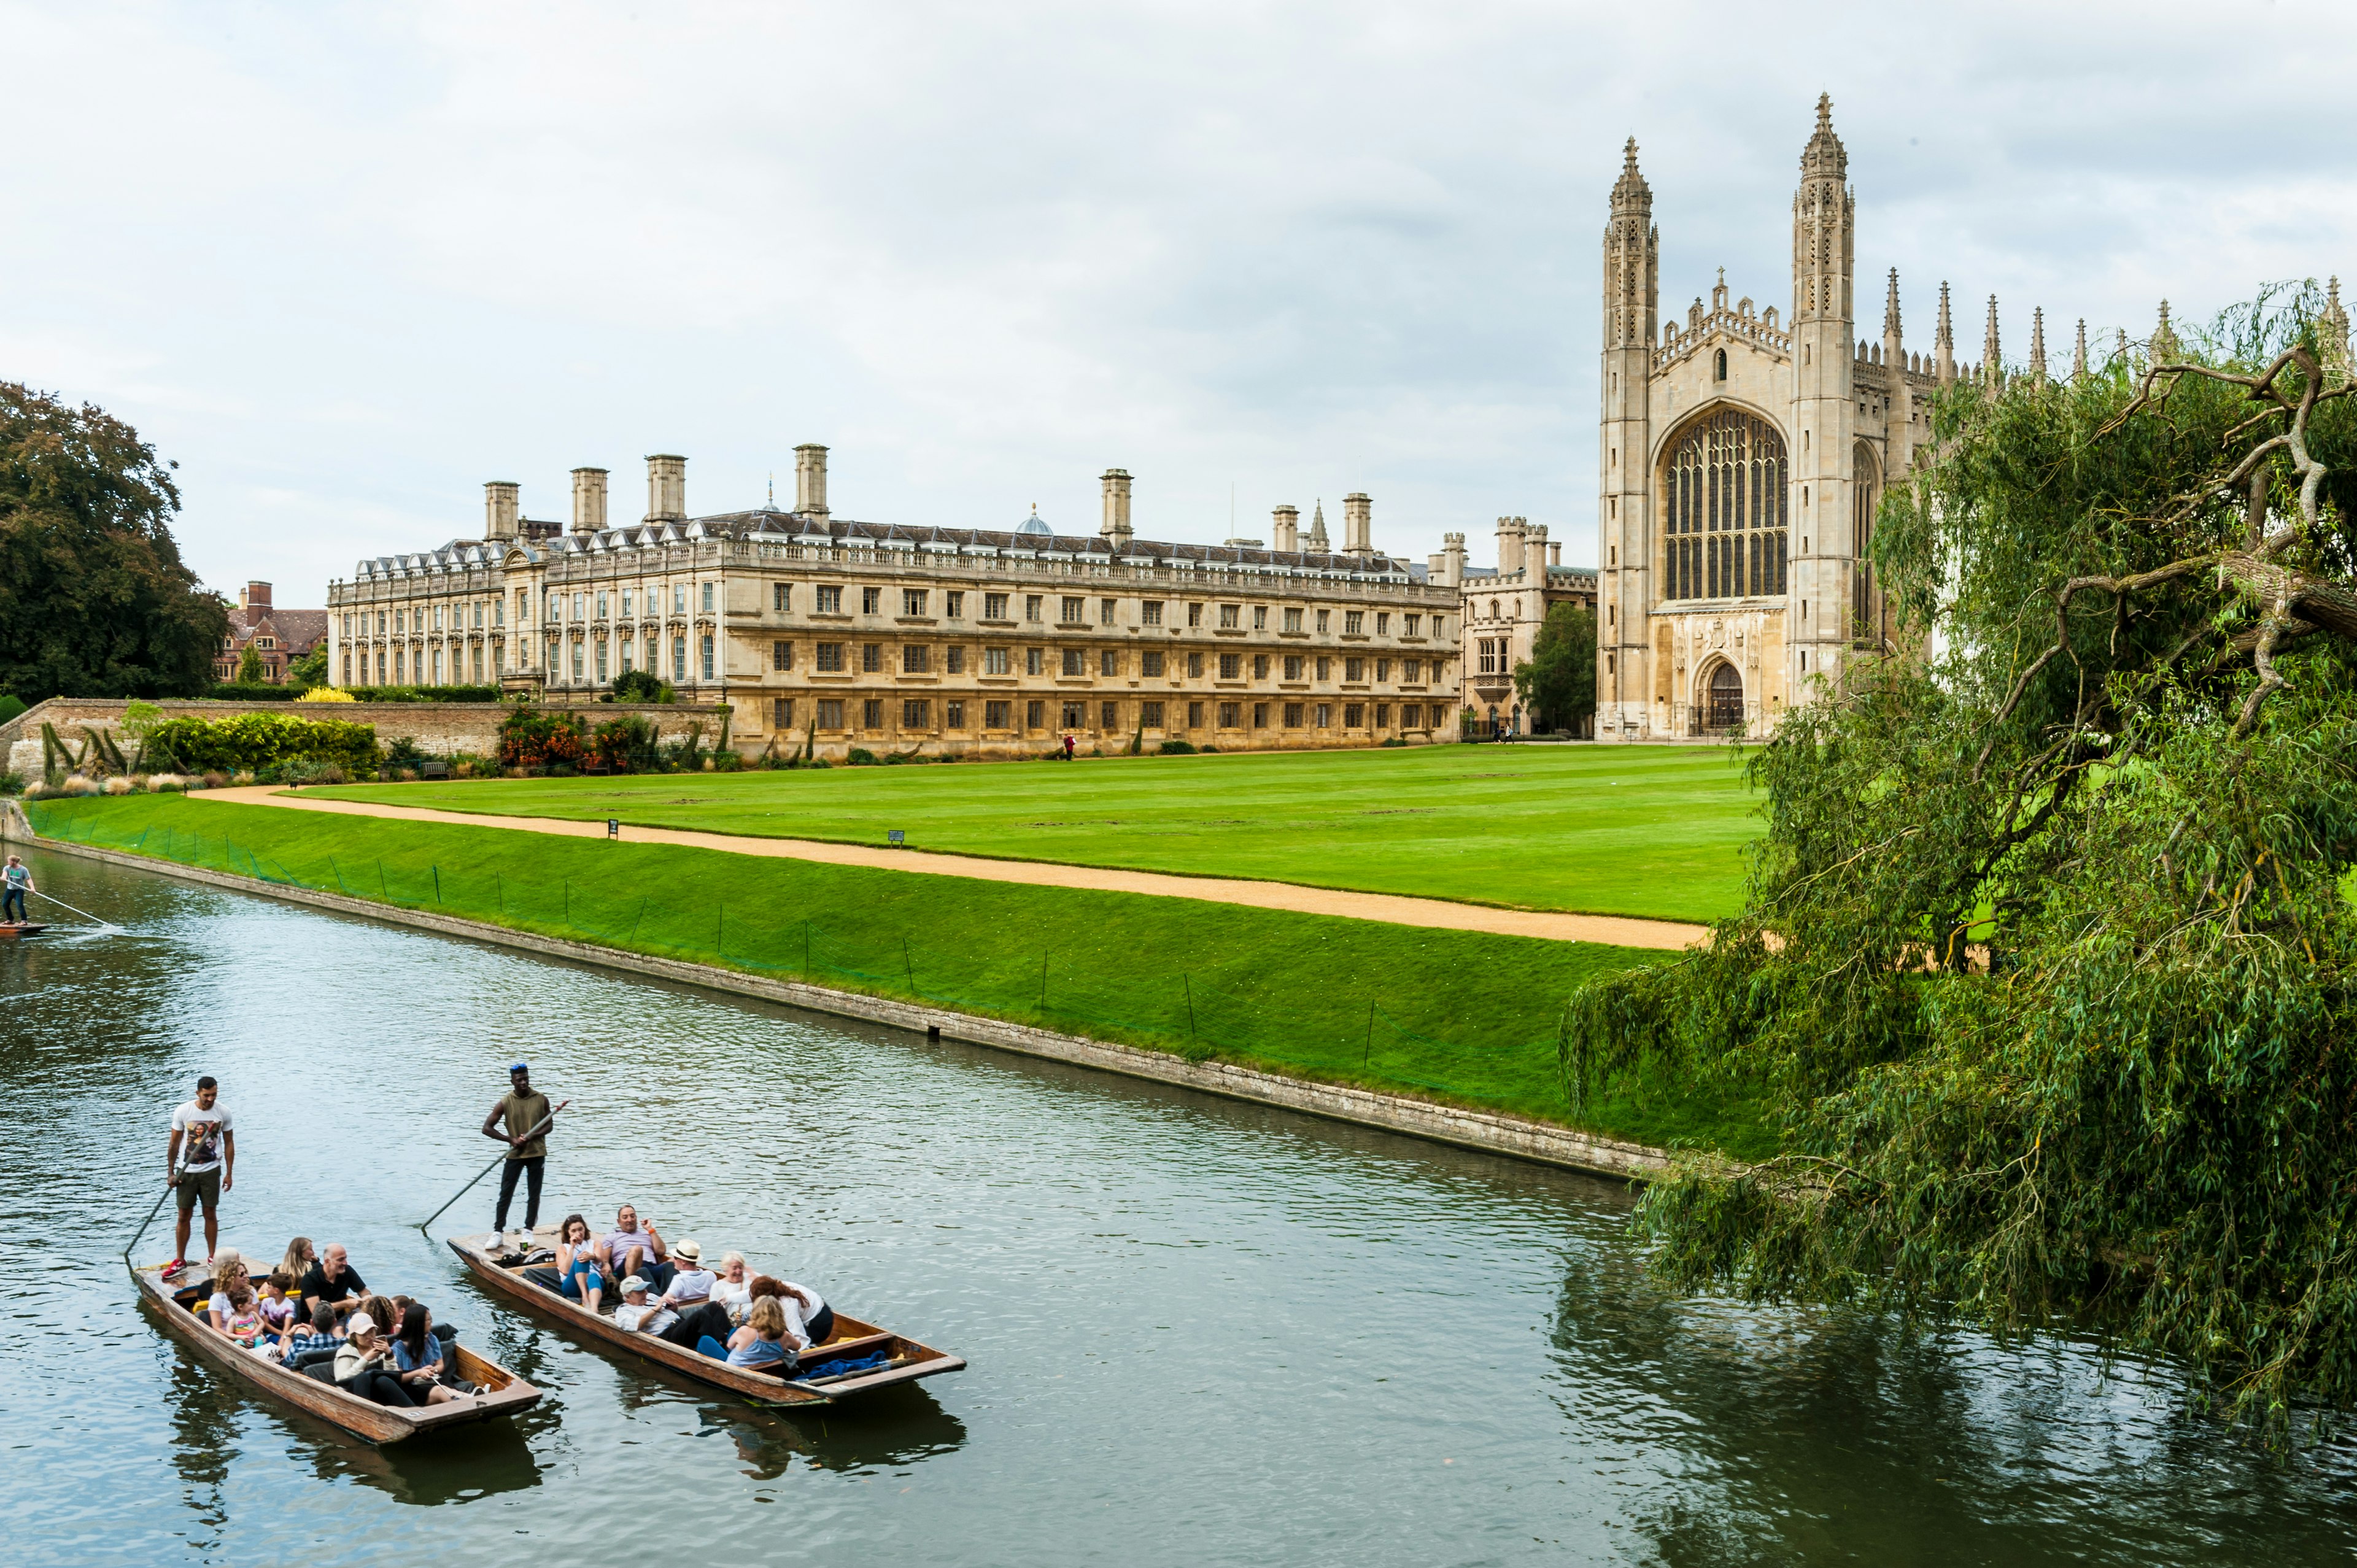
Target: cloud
point(347, 264)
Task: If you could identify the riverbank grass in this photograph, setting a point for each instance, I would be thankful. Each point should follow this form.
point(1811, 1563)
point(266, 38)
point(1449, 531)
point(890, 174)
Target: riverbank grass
point(1460, 1016)
point(1655, 831)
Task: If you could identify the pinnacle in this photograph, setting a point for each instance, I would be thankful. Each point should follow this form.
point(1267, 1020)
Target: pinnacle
point(1824, 110)
point(1628, 157)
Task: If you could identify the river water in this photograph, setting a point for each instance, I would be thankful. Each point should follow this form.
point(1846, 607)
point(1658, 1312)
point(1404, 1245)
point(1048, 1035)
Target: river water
point(1201, 1333)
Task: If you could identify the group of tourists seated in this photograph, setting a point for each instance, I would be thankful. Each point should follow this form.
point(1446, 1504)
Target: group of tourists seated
point(727, 1312)
point(314, 1315)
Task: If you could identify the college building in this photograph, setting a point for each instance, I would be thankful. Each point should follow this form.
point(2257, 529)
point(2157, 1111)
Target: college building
point(842, 633)
point(278, 636)
point(1742, 454)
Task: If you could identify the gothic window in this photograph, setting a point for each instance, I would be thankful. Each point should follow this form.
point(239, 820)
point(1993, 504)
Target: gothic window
point(1863, 497)
point(1720, 365)
point(1723, 494)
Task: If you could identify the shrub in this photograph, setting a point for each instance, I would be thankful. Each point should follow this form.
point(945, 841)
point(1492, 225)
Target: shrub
point(642, 686)
point(248, 741)
point(860, 756)
point(537, 737)
point(10, 706)
point(1177, 748)
point(12, 783)
point(253, 691)
point(327, 694)
point(627, 743)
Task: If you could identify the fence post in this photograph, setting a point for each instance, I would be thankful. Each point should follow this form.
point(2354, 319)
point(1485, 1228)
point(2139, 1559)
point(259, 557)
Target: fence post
point(911, 964)
point(1369, 1054)
point(500, 887)
point(437, 882)
point(1190, 1005)
point(634, 923)
point(379, 882)
point(806, 947)
point(568, 903)
point(720, 931)
point(1043, 982)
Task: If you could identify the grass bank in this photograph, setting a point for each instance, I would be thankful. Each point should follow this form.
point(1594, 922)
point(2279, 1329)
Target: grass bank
point(1458, 1017)
point(1649, 830)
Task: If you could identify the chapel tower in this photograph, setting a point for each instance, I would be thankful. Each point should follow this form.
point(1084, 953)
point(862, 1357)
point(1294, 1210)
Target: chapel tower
point(1632, 306)
point(1824, 421)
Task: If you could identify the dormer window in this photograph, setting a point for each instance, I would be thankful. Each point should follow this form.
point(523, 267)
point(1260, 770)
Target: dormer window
point(1719, 364)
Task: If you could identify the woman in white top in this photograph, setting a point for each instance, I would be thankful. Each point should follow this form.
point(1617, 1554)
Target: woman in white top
point(734, 1287)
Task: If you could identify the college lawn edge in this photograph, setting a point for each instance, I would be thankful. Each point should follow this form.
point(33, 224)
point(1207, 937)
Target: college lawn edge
point(1489, 1132)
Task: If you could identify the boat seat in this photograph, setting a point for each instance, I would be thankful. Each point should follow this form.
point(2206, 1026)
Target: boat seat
point(835, 1349)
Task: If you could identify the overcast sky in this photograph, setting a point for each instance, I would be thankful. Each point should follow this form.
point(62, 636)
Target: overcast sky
point(345, 263)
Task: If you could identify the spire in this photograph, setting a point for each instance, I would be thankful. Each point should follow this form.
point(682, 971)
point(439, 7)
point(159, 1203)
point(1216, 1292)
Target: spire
point(1824, 228)
point(1630, 192)
point(2164, 338)
point(2037, 344)
point(2121, 348)
point(1992, 367)
point(1943, 342)
point(2079, 355)
point(1891, 309)
point(1318, 543)
point(773, 491)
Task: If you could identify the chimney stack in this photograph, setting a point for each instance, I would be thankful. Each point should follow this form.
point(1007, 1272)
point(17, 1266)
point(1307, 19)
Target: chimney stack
point(1453, 556)
point(1534, 552)
point(254, 596)
point(499, 510)
point(1284, 533)
point(810, 479)
point(589, 501)
point(666, 488)
point(1509, 546)
point(1358, 524)
point(1555, 554)
point(1115, 526)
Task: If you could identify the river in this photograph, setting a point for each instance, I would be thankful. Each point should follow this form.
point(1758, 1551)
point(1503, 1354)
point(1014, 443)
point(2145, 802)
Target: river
point(1201, 1333)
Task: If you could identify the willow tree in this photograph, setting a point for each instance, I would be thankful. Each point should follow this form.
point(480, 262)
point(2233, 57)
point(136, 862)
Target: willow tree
point(2047, 952)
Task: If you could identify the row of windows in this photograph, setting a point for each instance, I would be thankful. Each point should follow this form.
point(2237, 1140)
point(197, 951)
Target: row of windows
point(923, 659)
point(996, 713)
point(827, 599)
point(395, 667)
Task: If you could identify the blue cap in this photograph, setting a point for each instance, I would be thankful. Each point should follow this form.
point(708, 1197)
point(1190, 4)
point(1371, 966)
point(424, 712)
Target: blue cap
point(519, 1067)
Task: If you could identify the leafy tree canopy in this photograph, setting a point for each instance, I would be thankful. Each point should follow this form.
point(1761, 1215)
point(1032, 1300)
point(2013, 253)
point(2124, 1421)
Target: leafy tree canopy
point(1559, 682)
point(2046, 949)
point(94, 599)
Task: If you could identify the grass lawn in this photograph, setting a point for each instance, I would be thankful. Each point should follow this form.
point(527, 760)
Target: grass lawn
point(1457, 1015)
point(1649, 830)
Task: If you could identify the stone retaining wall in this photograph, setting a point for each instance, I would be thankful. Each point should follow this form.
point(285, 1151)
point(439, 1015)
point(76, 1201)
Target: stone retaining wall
point(441, 728)
point(1494, 1131)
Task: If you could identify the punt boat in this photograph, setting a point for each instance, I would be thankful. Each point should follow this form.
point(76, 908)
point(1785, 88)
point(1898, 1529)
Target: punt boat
point(811, 1383)
point(21, 928)
point(174, 1300)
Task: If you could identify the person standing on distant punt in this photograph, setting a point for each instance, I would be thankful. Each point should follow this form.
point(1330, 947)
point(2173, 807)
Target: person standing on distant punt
point(523, 1109)
point(16, 881)
point(199, 1163)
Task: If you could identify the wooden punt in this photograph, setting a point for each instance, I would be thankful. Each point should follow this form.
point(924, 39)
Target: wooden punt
point(811, 1384)
point(174, 1301)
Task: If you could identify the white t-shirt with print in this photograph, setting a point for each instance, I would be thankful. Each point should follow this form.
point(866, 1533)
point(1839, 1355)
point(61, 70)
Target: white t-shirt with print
point(200, 1142)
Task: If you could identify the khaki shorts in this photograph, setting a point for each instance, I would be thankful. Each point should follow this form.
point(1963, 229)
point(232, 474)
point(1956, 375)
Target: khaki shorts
point(200, 1184)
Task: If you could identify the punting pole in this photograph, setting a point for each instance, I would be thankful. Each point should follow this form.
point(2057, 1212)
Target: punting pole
point(136, 1235)
point(480, 1175)
point(94, 919)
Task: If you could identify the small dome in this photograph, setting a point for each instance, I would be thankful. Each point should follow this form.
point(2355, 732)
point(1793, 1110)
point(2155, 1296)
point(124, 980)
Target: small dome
point(1032, 524)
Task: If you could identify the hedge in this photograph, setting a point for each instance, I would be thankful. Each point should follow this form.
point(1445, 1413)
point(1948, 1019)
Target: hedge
point(424, 693)
point(263, 740)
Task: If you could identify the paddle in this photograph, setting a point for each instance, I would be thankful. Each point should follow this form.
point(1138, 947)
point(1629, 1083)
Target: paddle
point(488, 1169)
point(94, 919)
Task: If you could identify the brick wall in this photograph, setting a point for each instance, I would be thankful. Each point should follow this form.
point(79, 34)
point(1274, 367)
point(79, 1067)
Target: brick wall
point(441, 728)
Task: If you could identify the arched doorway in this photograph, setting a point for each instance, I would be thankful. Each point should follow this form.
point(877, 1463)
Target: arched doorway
point(1725, 706)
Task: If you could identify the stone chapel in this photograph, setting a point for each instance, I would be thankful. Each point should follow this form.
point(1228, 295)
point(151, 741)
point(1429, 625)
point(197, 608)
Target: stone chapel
point(1742, 454)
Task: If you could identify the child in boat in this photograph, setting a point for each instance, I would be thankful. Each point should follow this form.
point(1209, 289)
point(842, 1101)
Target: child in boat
point(306, 1342)
point(278, 1306)
point(229, 1272)
point(242, 1320)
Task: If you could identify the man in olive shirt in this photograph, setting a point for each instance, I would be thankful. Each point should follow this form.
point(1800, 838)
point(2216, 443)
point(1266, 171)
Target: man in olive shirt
point(522, 1110)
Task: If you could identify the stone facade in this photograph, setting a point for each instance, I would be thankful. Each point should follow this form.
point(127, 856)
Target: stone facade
point(919, 639)
point(1743, 454)
point(1502, 608)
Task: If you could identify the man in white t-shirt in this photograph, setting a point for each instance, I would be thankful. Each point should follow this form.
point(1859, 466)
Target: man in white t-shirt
point(198, 1165)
